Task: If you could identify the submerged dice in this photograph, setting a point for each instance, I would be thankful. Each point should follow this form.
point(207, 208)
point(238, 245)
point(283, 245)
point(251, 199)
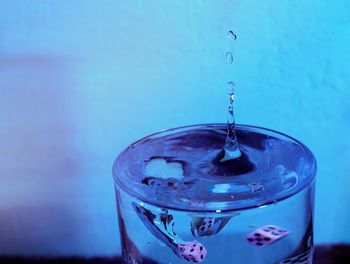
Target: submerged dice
point(208, 226)
point(304, 258)
point(191, 251)
point(266, 235)
point(204, 226)
point(161, 226)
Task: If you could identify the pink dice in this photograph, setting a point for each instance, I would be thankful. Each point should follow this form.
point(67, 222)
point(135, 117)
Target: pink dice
point(192, 251)
point(266, 235)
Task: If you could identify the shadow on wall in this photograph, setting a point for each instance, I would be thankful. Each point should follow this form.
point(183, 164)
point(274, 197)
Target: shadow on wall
point(38, 160)
point(29, 229)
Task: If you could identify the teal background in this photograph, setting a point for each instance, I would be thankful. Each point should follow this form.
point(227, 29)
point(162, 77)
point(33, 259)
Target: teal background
point(80, 80)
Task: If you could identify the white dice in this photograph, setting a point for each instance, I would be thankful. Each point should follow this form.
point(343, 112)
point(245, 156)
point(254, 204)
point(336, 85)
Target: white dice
point(192, 251)
point(266, 235)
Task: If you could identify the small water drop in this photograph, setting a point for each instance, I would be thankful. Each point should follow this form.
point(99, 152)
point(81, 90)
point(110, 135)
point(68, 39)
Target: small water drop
point(232, 35)
point(231, 92)
point(231, 87)
point(229, 57)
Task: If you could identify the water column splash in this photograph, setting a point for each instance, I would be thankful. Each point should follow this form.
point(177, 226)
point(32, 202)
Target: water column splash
point(231, 146)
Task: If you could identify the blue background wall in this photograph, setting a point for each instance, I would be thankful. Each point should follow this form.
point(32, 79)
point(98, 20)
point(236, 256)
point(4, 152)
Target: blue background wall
point(79, 80)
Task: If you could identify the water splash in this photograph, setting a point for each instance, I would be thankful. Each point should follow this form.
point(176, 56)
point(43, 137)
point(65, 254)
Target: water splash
point(231, 146)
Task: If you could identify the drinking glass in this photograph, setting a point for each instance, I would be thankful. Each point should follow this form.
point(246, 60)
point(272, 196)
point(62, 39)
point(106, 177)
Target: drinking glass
point(179, 202)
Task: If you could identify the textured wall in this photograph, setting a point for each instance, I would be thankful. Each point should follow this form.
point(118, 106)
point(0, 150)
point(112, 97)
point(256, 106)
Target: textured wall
point(79, 80)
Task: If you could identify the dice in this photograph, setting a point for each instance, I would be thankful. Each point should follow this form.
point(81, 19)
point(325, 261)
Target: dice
point(203, 226)
point(266, 235)
point(162, 227)
point(149, 220)
point(192, 251)
point(208, 226)
point(304, 258)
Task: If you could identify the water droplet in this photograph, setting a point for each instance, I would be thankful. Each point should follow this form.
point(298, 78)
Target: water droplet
point(231, 93)
point(229, 57)
point(232, 35)
point(231, 87)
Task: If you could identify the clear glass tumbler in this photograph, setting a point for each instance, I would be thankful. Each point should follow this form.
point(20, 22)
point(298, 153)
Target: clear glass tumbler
point(179, 202)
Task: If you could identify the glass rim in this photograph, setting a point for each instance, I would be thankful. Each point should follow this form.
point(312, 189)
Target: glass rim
point(261, 130)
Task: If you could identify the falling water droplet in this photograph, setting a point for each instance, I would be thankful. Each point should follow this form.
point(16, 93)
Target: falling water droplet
point(229, 58)
point(231, 35)
point(231, 93)
point(231, 89)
